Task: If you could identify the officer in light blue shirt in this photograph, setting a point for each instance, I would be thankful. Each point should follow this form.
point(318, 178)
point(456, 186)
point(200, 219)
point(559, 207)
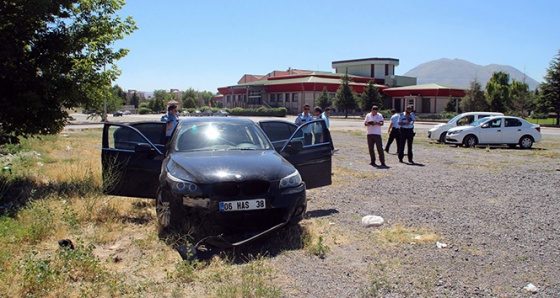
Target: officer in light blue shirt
point(406, 122)
point(301, 120)
point(394, 131)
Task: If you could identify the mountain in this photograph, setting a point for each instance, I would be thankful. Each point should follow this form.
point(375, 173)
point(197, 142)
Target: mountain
point(460, 73)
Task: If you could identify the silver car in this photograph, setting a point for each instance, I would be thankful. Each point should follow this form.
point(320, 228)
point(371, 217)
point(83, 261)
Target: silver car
point(496, 130)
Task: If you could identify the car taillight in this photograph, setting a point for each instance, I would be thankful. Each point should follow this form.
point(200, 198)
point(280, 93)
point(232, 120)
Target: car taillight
point(538, 128)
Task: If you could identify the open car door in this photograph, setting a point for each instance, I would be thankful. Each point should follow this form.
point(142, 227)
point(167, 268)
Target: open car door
point(131, 158)
point(308, 147)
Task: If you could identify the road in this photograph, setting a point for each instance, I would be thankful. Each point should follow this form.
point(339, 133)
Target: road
point(81, 122)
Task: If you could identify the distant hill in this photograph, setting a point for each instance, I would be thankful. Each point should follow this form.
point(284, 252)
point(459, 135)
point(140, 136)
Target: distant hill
point(460, 73)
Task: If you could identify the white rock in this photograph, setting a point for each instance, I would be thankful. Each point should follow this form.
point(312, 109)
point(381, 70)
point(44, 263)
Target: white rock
point(372, 221)
point(531, 288)
point(441, 244)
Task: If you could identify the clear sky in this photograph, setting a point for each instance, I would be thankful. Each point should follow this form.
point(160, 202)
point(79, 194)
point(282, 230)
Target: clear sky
point(204, 45)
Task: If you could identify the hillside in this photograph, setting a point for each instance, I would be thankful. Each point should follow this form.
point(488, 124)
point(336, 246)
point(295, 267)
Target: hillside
point(460, 73)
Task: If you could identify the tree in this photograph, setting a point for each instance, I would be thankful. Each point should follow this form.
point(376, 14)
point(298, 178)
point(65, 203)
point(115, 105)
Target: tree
point(451, 106)
point(119, 93)
point(370, 97)
point(55, 55)
point(324, 100)
point(159, 101)
point(549, 99)
point(497, 92)
point(522, 100)
point(135, 100)
point(190, 98)
point(474, 100)
point(345, 97)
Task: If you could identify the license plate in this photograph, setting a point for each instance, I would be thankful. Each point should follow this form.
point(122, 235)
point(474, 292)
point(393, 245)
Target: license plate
point(242, 205)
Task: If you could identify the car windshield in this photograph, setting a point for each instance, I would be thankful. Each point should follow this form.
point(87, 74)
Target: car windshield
point(209, 136)
point(479, 121)
point(454, 119)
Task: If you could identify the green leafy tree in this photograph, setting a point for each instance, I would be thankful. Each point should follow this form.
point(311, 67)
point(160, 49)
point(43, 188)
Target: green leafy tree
point(522, 99)
point(453, 105)
point(159, 101)
point(497, 92)
point(549, 97)
point(370, 97)
point(55, 55)
point(135, 100)
point(474, 100)
point(324, 100)
point(190, 98)
point(345, 97)
point(119, 93)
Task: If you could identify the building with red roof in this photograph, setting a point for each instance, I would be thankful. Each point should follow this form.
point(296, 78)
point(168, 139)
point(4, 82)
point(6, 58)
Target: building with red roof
point(294, 88)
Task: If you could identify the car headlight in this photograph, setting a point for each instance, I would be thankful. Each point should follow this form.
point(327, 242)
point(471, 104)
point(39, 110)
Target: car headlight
point(455, 132)
point(291, 180)
point(178, 185)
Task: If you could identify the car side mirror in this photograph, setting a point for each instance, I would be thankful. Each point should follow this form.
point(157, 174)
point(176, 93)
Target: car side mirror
point(294, 146)
point(142, 147)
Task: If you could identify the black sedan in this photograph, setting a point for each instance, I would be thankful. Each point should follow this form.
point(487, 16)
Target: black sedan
point(245, 176)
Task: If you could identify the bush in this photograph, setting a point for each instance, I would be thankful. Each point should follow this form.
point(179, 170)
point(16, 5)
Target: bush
point(539, 116)
point(143, 111)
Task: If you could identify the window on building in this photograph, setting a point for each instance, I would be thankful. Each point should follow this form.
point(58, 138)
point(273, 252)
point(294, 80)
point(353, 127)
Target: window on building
point(228, 98)
point(287, 97)
point(273, 97)
point(254, 97)
point(294, 97)
point(280, 98)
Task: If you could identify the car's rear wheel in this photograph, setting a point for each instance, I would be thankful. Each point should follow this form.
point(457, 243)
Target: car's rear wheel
point(470, 141)
point(442, 137)
point(168, 210)
point(526, 142)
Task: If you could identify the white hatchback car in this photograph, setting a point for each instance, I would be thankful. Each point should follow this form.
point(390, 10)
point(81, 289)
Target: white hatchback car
point(495, 130)
point(439, 131)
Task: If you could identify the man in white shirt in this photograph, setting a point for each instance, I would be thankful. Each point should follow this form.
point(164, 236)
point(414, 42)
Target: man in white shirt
point(373, 123)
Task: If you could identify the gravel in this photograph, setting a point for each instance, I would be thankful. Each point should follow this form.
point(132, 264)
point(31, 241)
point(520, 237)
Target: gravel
point(496, 209)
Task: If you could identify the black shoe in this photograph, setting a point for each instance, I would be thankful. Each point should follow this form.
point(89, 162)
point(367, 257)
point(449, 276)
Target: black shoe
point(373, 164)
point(387, 150)
point(411, 161)
point(383, 165)
point(400, 160)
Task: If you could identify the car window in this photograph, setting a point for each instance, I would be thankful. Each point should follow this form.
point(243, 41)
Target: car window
point(279, 131)
point(511, 122)
point(151, 131)
point(465, 120)
point(124, 138)
point(219, 136)
point(496, 123)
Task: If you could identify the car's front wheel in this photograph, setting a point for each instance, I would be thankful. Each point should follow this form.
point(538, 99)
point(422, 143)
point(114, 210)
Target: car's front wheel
point(470, 141)
point(168, 210)
point(442, 137)
point(526, 142)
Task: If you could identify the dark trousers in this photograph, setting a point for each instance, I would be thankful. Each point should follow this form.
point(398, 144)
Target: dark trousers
point(394, 135)
point(307, 137)
point(407, 136)
point(375, 140)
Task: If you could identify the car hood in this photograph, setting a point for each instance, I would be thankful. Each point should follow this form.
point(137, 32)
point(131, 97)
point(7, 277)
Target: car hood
point(461, 128)
point(229, 165)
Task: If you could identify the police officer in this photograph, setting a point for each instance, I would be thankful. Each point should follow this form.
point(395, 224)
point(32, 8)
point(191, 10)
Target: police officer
point(406, 122)
point(394, 131)
point(302, 119)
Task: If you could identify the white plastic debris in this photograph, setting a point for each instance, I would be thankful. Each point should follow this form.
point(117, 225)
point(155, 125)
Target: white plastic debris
point(531, 288)
point(441, 244)
point(372, 221)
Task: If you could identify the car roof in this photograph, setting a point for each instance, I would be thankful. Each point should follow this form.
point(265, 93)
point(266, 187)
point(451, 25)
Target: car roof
point(485, 113)
point(232, 120)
